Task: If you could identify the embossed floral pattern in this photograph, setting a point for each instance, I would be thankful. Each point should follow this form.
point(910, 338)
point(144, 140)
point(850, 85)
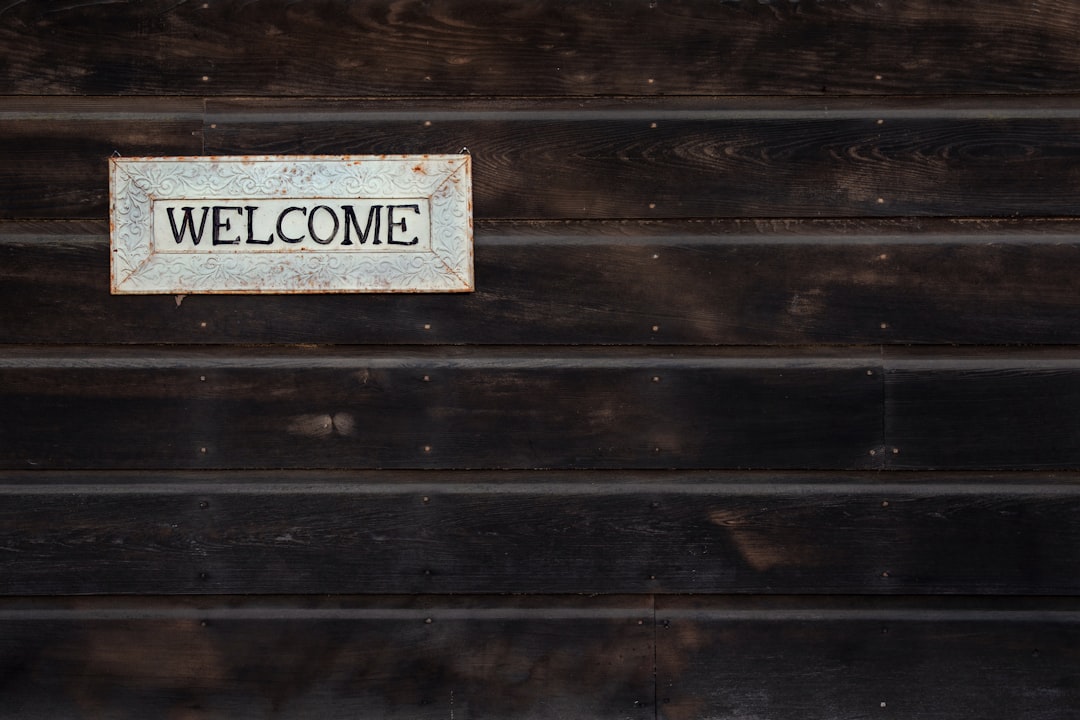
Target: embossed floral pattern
point(445, 179)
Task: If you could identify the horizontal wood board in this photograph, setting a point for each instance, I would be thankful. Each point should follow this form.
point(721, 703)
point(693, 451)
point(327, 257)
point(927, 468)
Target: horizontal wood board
point(647, 283)
point(696, 160)
point(549, 48)
point(848, 660)
point(789, 175)
point(606, 159)
point(510, 408)
point(330, 658)
point(572, 532)
point(515, 658)
point(56, 165)
point(983, 409)
point(436, 408)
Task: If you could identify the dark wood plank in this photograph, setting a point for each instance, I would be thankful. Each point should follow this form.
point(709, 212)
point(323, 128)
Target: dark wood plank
point(550, 47)
point(328, 658)
point(856, 658)
point(597, 159)
point(54, 153)
point(440, 407)
point(715, 283)
point(983, 408)
point(703, 158)
point(537, 532)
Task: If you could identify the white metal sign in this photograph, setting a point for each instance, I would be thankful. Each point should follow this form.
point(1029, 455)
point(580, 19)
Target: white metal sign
point(277, 224)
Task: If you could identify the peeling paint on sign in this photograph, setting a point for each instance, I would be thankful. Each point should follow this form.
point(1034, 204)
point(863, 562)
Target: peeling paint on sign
point(275, 224)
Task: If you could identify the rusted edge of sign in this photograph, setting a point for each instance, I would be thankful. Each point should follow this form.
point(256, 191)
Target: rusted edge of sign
point(291, 224)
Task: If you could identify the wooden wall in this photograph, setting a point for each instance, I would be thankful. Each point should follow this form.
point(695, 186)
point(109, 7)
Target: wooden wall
point(765, 406)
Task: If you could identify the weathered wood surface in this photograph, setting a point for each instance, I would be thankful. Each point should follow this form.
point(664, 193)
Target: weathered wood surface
point(602, 159)
point(550, 47)
point(983, 408)
point(855, 658)
point(327, 658)
point(647, 174)
point(54, 152)
point(441, 407)
point(532, 658)
point(535, 532)
point(706, 157)
point(716, 282)
point(504, 408)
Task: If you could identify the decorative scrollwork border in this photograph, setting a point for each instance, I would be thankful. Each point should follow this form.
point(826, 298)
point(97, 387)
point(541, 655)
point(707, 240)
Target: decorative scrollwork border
point(446, 180)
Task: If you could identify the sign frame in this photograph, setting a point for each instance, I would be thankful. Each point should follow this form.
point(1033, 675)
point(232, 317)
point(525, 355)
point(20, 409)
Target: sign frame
point(443, 264)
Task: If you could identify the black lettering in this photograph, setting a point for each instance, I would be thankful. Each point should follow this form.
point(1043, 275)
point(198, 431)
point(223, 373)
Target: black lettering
point(311, 225)
point(391, 224)
point(350, 219)
point(251, 228)
point(187, 225)
point(281, 219)
point(220, 224)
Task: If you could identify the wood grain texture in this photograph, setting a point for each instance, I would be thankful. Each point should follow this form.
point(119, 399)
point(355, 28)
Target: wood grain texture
point(439, 408)
point(327, 658)
point(601, 159)
point(54, 152)
point(983, 408)
point(709, 157)
point(709, 283)
point(549, 47)
point(535, 532)
point(855, 658)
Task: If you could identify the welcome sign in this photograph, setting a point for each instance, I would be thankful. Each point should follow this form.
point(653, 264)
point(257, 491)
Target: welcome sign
point(278, 224)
